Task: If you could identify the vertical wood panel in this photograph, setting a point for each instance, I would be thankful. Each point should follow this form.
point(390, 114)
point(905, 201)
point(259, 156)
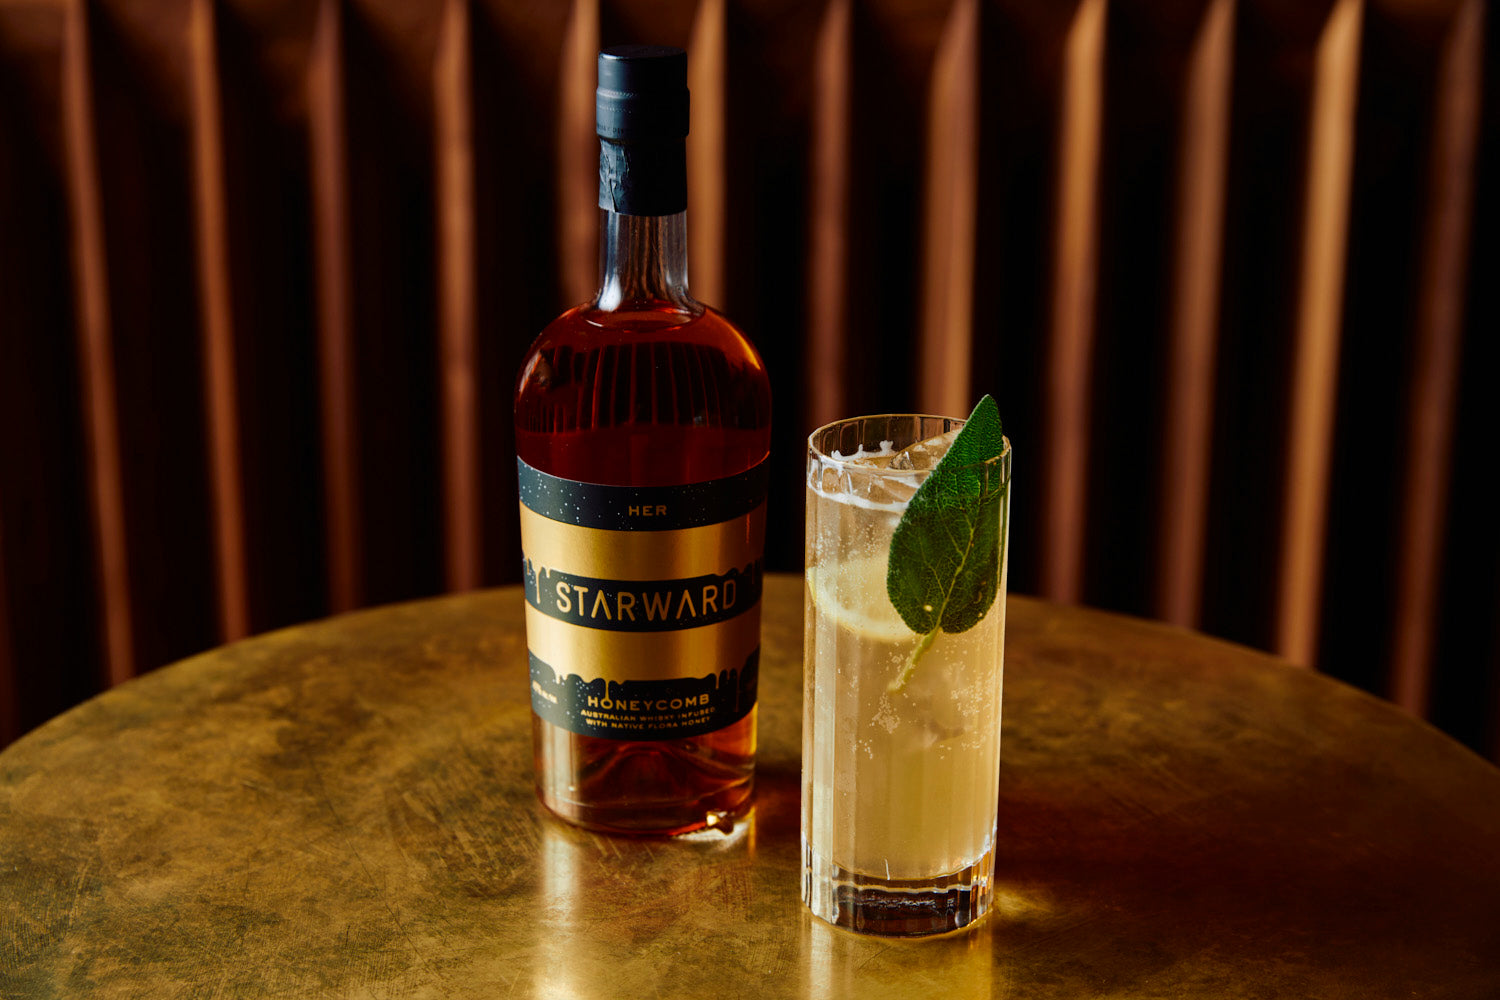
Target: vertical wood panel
point(1188, 422)
point(50, 642)
point(828, 264)
point(518, 124)
point(454, 116)
point(1400, 55)
point(708, 59)
point(578, 155)
point(893, 50)
point(330, 176)
point(1439, 337)
point(1148, 61)
point(768, 137)
point(1320, 303)
point(221, 391)
point(140, 91)
point(950, 213)
point(1275, 49)
point(1021, 67)
point(10, 696)
point(261, 63)
point(1494, 681)
point(1069, 362)
point(95, 348)
point(389, 51)
point(1491, 670)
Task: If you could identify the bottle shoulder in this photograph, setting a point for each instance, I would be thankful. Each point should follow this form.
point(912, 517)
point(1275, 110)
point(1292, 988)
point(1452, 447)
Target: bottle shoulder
point(584, 324)
point(584, 329)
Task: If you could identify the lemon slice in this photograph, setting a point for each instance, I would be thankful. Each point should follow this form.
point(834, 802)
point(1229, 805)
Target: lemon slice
point(852, 594)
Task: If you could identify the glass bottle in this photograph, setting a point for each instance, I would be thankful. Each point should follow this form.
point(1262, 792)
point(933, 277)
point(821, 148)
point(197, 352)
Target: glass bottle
point(642, 432)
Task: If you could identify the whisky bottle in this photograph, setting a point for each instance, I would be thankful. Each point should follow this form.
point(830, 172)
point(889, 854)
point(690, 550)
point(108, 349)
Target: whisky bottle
point(642, 432)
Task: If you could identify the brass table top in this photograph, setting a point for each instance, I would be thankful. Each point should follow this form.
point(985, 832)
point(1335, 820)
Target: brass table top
point(344, 809)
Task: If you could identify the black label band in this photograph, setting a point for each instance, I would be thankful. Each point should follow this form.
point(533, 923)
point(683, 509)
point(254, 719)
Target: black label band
point(644, 710)
point(642, 605)
point(642, 508)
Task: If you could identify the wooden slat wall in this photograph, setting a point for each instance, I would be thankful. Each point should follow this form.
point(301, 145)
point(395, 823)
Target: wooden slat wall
point(268, 269)
point(1442, 276)
point(829, 211)
point(453, 116)
point(217, 327)
point(50, 653)
point(1202, 165)
point(1314, 374)
point(329, 160)
point(1068, 374)
point(97, 396)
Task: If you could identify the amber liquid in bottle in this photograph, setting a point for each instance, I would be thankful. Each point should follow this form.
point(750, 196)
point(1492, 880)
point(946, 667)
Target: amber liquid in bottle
point(644, 386)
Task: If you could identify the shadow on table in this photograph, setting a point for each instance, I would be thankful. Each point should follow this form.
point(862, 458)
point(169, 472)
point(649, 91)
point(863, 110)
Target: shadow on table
point(1224, 893)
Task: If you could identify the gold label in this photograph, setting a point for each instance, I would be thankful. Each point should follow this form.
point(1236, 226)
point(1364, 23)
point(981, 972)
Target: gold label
point(643, 603)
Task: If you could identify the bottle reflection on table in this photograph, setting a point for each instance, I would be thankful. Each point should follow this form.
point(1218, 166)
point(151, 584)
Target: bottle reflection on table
point(611, 912)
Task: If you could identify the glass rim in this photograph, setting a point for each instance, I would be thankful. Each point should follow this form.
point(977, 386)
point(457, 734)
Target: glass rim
point(848, 460)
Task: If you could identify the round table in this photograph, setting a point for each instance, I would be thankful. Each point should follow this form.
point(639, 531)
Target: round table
point(345, 809)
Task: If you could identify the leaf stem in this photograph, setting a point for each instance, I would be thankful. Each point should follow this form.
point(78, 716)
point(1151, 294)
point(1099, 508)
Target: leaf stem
point(899, 684)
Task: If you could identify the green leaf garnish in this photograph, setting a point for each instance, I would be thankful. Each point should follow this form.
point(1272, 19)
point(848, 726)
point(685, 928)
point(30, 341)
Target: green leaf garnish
point(944, 568)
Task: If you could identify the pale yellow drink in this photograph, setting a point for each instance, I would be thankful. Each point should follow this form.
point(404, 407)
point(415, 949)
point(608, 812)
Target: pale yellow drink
point(900, 780)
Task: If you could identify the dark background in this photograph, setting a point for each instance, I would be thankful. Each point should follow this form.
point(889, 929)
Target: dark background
point(389, 199)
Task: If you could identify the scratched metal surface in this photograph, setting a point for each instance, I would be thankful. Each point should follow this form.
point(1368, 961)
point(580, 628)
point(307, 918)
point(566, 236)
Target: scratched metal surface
point(344, 810)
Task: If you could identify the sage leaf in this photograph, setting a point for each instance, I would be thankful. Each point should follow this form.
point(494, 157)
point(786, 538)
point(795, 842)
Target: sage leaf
point(943, 571)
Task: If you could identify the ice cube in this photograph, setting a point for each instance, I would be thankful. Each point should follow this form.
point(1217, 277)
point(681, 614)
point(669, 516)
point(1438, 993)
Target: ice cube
point(863, 476)
point(874, 459)
point(924, 455)
point(885, 490)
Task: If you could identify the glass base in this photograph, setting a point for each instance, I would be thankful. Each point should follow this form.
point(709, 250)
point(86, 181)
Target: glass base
point(896, 907)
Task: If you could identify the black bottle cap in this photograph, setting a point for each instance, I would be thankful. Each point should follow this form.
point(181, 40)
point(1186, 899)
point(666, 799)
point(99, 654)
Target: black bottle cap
point(642, 95)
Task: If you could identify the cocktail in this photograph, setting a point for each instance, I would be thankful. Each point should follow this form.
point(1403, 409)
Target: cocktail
point(903, 652)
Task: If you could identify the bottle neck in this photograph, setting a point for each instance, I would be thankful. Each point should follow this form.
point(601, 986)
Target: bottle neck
point(643, 262)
